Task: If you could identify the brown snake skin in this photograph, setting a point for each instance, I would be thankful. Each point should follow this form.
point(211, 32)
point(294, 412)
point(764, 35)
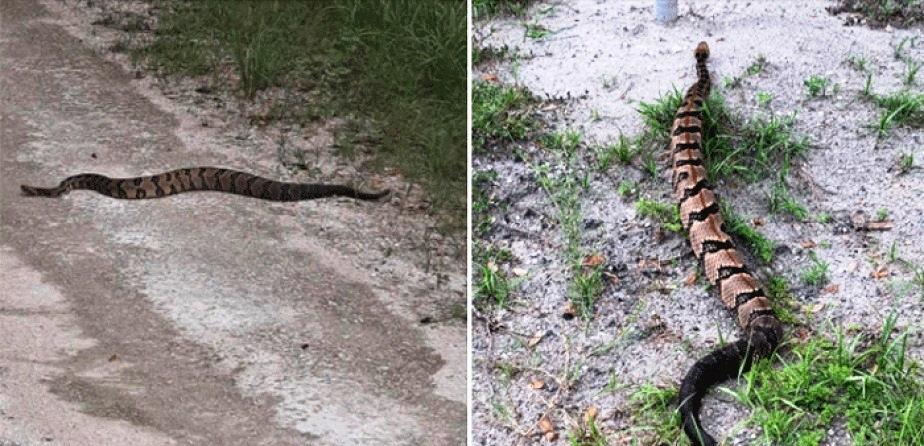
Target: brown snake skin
point(723, 265)
point(199, 179)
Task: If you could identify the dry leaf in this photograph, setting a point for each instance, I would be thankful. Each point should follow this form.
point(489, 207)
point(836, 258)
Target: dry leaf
point(808, 244)
point(649, 264)
point(879, 226)
point(802, 334)
point(831, 288)
point(613, 278)
point(533, 341)
point(593, 260)
point(590, 414)
point(520, 272)
point(547, 428)
point(691, 279)
point(537, 384)
point(818, 307)
point(568, 310)
point(114, 357)
point(490, 77)
point(492, 266)
point(757, 221)
point(880, 272)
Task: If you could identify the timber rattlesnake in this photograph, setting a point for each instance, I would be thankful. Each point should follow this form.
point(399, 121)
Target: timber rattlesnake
point(199, 179)
point(723, 265)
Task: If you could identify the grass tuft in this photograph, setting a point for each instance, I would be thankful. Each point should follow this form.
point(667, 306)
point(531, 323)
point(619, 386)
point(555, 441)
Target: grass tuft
point(666, 214)
point(500, 113)
point(816, 85)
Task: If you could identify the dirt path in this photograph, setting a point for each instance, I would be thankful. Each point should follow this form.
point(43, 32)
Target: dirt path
point(201, 318)
point(601, 59)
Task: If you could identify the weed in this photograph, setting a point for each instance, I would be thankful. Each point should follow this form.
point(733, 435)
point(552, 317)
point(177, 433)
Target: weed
point(763, 98)
point(499, 113)
point(490, 53)
point(911, 71)
point(781, 200)
point(816, 85)
point(493, 287)
point(823, 218)
point(623, 151)
point(899, 51)
point(783, 301)
point(753, 69)
point(817, 273)
point(565, 142)
point(905, 162)
point(626, 188)
point(536, 31)
point(564, 190)
point(488, 8)
point(901, 108)
point(666, 214)
point(656, 412)
point(738, 227)
point(867, 86)
point(882, 214)
point(869, 387)
point(857, 62)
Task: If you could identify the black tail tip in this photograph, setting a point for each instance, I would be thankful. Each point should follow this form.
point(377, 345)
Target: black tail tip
point(28, 191)
point(702, 51)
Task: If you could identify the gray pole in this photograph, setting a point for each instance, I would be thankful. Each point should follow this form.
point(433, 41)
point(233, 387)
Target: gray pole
point(665, 11)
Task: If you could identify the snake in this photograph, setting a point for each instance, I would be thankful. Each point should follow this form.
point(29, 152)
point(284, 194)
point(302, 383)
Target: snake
point(199, 179)
point(723, 265)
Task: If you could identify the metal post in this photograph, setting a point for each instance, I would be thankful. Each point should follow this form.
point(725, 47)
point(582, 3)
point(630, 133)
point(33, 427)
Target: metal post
point(665, 11)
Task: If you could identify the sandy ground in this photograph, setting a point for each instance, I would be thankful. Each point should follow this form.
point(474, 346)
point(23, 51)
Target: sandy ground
point(203, 318)
point(602, 58)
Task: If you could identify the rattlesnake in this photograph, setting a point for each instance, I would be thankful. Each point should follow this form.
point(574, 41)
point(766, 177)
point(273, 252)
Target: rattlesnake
point(723, 265)
point(199, 179)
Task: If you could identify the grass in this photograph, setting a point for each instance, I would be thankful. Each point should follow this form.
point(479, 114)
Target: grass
point(781, 201)
point(866, 383)
point(400, 65)
point(756, 67)
point(565, 141)
point(911, 71)
point(490, 8)
point(535, 31)
point(817, 273)
point(905, 162)
point(816, 85)
point(752, 150)
point(626, 188)
point(623, 152)
point(738, 227)
point(493, 287)
point(668, 215)
point(778, 290)
point(500, 113)
point(763, 98)
point(564, 190)
point(903, 108)
point(882, 214)
point(656, 415)
point(858, 62)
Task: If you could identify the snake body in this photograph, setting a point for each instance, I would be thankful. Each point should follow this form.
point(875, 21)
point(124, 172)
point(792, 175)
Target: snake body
point(199, 179)
point(723, 265)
